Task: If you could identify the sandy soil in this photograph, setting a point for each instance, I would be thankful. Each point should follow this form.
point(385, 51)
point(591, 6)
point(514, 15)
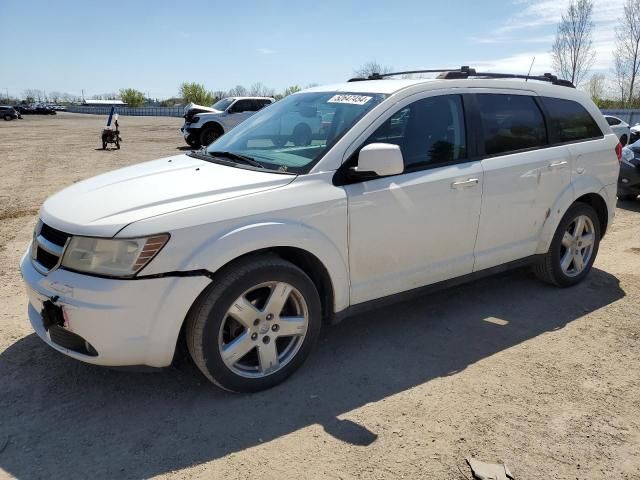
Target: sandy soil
point(505, 368)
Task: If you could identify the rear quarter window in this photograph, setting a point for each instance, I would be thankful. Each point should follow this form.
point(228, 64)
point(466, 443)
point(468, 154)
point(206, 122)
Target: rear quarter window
point(569, 121)
point(510, 123)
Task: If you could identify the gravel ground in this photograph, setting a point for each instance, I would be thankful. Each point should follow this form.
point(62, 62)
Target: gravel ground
point(505, 368)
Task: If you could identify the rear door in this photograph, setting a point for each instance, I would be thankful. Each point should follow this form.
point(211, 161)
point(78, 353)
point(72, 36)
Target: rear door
point(239, 112)
point(523, 176)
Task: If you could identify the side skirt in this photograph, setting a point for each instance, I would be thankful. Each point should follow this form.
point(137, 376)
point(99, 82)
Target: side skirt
point(427, 289)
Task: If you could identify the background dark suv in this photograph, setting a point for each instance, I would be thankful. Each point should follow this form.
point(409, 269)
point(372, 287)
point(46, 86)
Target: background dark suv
point(9, 113)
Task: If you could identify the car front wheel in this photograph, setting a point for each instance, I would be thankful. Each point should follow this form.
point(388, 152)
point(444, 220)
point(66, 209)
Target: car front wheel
point(255, 325)
point(573, 249)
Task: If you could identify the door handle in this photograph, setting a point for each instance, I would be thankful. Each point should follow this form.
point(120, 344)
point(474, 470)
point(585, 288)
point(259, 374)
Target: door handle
point(471, 182)
point(559, 164)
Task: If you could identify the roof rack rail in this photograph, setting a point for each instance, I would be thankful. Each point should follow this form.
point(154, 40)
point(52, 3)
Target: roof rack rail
point(466, 72)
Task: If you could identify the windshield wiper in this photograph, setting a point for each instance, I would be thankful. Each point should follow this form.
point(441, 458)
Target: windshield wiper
point(238, 158)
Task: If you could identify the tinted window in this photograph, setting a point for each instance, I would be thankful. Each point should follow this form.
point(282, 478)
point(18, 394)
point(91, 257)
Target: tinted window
point(570, 121)
point(429, 132)
point(612, 120)
point(242, 106)
point(510, 123)
point(261, 103)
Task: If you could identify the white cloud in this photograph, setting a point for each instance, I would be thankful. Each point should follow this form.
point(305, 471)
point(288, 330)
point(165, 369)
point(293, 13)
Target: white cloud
point(533, 24)
point(265, 51)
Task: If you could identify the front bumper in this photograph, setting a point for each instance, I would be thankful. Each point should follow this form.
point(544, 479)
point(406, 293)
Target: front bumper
point(128, 322)
point(629, 180)
point(188, 130)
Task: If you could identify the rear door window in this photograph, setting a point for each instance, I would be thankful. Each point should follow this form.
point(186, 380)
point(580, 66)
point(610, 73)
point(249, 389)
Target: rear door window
point(612, 121)
point(570, 121)
point(510, 123)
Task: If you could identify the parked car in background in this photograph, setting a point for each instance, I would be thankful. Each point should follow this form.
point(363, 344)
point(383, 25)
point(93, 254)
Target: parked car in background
point(44, 110)
point(620, 128)
point(23, 109)
point(244, 250)
point(202, 125)
point(629, 177)
point(7, 112)
point(58, 108)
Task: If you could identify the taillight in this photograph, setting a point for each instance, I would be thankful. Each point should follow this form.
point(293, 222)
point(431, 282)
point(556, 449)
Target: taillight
point(619, 151)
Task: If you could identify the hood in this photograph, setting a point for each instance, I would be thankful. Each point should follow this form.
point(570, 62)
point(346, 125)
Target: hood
point(103, 205)
point(192, 109)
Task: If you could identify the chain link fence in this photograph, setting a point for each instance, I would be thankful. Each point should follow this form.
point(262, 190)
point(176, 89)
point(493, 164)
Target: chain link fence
point(134, 111)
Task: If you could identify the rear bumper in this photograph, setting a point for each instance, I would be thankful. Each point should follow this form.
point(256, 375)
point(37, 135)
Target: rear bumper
point(128, 322)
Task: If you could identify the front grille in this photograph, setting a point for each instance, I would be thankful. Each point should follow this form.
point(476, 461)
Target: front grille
point(66, 339)
point(48, 247)
point(46, 259)
point(53, 235)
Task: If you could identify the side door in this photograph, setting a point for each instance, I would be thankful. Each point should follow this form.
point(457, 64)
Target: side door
point(239, 111)
point(419, 227)
point(523, 176)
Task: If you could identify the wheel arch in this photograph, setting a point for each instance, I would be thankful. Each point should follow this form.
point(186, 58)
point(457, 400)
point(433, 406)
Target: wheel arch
point(303, 259)
point(213, 124)
point(567, 198)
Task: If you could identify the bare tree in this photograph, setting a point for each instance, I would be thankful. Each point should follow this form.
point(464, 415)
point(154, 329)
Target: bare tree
point(237, 91)
point(595, 86)
point(370, 68)
point(572, 52)
point(32, 94)
point(260, 90)
point(627, 52)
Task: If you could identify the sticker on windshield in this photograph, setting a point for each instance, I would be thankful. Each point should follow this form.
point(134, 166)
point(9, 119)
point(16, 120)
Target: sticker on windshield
point(352, 99)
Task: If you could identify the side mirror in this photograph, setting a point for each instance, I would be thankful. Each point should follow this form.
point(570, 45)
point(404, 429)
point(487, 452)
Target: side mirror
point(381, 159)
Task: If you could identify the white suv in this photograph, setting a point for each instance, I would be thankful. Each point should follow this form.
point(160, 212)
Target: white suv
point(244, 251)
point(202, 125)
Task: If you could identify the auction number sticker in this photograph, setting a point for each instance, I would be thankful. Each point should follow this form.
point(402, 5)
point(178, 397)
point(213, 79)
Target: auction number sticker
point(351, 99)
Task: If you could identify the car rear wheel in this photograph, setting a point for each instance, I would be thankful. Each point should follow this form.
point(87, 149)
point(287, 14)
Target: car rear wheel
point(573, 249)
point(8, 117)
point(255, 325)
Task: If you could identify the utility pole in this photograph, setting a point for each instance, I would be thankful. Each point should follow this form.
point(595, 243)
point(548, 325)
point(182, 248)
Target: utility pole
point(7, 94)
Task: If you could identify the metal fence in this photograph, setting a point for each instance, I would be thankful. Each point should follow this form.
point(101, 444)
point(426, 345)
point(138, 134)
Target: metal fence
point(135, 111)
point(631, 116)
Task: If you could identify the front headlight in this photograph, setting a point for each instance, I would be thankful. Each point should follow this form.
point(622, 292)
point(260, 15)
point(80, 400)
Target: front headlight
point(113, 257)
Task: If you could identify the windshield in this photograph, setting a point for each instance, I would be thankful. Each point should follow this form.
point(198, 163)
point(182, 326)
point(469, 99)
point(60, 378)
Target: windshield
point(293, 134)
point(223, 104)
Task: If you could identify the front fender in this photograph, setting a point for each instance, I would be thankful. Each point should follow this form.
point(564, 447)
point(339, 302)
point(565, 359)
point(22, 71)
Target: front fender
point(217, 251)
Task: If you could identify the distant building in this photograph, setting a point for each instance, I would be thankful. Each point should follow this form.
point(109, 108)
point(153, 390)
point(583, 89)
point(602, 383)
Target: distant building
point(103, 102)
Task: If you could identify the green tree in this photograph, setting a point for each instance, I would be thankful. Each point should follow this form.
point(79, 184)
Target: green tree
point(193, 92)
point(132, 97)
point(291, 90)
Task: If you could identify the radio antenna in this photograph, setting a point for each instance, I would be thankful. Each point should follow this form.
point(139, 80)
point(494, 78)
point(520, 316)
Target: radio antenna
point(528, 74)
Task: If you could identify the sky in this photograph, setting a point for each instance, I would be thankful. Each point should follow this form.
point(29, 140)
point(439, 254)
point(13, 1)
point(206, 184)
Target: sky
point(154, 46)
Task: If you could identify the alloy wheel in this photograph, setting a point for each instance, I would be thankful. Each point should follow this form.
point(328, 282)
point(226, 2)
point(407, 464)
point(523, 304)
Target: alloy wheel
point(263, 329)
point(577, 246)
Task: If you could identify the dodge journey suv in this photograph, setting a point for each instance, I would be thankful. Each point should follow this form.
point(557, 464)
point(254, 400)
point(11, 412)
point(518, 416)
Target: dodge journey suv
point(243, 251)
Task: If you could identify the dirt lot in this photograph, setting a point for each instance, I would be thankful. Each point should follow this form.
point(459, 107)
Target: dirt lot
point(505, 368)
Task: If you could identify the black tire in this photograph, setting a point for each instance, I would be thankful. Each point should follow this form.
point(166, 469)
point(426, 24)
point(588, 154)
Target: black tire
point(623, 140)
point(209, 134)
point(8, 118)
point(301, 135)
point(206, 317)
point(547, 268)
point(192, 141)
